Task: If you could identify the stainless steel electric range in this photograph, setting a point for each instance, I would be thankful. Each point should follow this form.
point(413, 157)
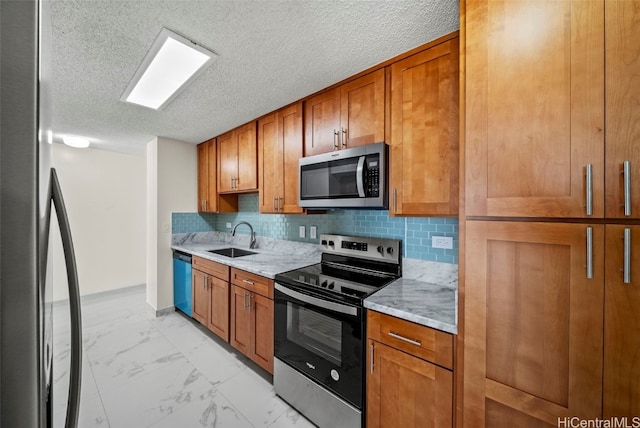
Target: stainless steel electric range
point(320, 327)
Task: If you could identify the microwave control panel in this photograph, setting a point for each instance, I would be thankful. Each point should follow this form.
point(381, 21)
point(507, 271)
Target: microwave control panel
point(373, 176)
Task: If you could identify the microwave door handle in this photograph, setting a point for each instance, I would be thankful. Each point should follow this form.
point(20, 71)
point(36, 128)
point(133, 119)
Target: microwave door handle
point(325, 304)
point(360, 177)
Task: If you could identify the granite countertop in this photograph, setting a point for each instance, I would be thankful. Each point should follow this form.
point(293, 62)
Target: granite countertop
point(272, 256)
point(427, 294)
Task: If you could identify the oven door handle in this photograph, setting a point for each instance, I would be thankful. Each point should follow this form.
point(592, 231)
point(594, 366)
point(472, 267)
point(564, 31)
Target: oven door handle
point(325, 304)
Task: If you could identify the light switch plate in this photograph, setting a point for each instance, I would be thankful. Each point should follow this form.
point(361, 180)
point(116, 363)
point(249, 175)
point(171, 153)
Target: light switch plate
point(302, 232)
point(444, 242)
point(313, 232)
point(228, 225)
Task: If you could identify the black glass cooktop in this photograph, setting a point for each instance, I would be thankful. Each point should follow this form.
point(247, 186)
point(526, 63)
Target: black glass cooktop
point(340, 282)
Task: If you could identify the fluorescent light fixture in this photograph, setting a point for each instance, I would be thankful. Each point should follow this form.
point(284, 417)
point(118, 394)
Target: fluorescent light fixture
point(170, 65)
point(77, 142)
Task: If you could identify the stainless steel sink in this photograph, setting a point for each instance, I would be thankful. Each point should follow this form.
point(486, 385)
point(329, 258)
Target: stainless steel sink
point(232, 252)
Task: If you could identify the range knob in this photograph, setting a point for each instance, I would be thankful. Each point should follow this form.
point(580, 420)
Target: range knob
point(324, 242)
point(390, 250)
point(324, 283)
point(381, 249)
point(331, 286)
point(331, 244)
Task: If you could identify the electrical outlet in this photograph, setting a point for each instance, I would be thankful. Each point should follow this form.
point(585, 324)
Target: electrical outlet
point(228, 225)
point(302, 232)
point(444, 242)
point(313, 232)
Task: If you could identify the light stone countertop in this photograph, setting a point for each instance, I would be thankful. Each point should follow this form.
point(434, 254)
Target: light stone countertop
point(427, 294)
point(273, 256)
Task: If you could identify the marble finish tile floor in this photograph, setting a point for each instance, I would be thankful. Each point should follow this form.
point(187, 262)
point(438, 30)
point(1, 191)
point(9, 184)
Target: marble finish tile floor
point(165, 372)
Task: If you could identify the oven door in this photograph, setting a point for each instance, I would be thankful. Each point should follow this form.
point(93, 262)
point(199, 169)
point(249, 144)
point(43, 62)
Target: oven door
point(322, 339)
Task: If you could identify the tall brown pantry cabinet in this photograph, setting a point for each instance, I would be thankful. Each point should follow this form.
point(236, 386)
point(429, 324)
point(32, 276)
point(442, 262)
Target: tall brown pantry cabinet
point(551, 209)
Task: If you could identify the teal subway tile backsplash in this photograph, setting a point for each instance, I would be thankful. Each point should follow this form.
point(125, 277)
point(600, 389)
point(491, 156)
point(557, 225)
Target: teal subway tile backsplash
point(415, 232)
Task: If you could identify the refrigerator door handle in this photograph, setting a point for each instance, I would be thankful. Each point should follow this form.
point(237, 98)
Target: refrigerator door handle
point(75, 376)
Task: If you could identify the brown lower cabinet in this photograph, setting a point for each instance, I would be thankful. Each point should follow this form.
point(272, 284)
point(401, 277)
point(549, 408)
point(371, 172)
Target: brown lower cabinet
point(252, 317)
point(210, 285)
point(409, 377)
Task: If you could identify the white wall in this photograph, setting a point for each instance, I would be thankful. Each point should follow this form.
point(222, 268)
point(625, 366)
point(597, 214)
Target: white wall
point(172, 175)
point(104, 193)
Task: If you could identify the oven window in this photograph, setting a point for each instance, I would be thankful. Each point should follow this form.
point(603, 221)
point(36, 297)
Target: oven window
point(315, 332)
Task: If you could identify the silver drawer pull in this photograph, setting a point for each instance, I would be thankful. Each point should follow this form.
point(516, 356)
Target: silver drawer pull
point(246, 281)
point(589, 189)
point(626, 172)
point(627, 256)
point(589, 252)
point(411, 341)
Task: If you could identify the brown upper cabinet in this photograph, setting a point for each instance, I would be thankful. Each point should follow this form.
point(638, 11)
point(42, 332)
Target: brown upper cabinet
point(535, 108)
point(424, 132)
point(622, 56)
point(238, 160)
point(347, 116)
point(208, 198)
point(207, 192)
point(279, 148)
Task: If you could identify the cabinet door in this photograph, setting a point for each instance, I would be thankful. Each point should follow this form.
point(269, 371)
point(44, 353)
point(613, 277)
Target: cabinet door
point(534, 107)
point(240, 320)
point(424, 132)
point(203, 176)
point(623, 115)
point(290, 126)
point(322, 123)
point(533, 321)
point(219, 307)
point(405, 391)
point(227, 162)
point(362, 110)
point(200, 295)
point(622, 325)
point(262, 331)
point(271, 159)
point(247, 146)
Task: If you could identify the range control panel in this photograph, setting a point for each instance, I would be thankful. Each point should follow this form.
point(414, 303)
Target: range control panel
point(382, 249)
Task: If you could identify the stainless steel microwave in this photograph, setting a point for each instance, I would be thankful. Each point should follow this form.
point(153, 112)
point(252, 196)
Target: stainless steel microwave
point(350, 178)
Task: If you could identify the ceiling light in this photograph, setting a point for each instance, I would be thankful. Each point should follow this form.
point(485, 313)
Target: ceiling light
point(170, 65)
point(78, 142)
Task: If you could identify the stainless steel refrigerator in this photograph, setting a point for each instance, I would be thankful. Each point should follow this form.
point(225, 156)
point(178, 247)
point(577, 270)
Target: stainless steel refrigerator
point(29, 191)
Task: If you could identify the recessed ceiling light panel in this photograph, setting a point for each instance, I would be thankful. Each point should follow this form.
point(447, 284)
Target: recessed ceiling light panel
point(170, 65)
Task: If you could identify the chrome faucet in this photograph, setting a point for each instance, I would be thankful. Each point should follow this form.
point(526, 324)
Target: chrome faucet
point(253, 234)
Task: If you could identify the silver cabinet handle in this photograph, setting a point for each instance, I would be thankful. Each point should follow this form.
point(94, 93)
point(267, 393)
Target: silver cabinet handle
point(406, 339)
point(335, 140)
point(626, 271)
point(250, 302)
point(246, 281)
point(589, 189)
point(232, 183)
point(371, 363)
point(205, 205)
point(75, 373)
point(395, 200)
point(589, 252)
point(280, 198)
point(244, 302)
point(275, 203)
point(626, 174)
point(344, 138)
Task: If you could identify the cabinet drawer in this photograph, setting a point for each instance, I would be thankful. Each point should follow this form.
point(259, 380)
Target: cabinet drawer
point(252, 282)
point(212, 268)
point(424, 342)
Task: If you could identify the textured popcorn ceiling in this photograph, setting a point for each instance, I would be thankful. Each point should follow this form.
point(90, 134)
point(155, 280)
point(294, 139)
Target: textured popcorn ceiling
point(271, 53)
